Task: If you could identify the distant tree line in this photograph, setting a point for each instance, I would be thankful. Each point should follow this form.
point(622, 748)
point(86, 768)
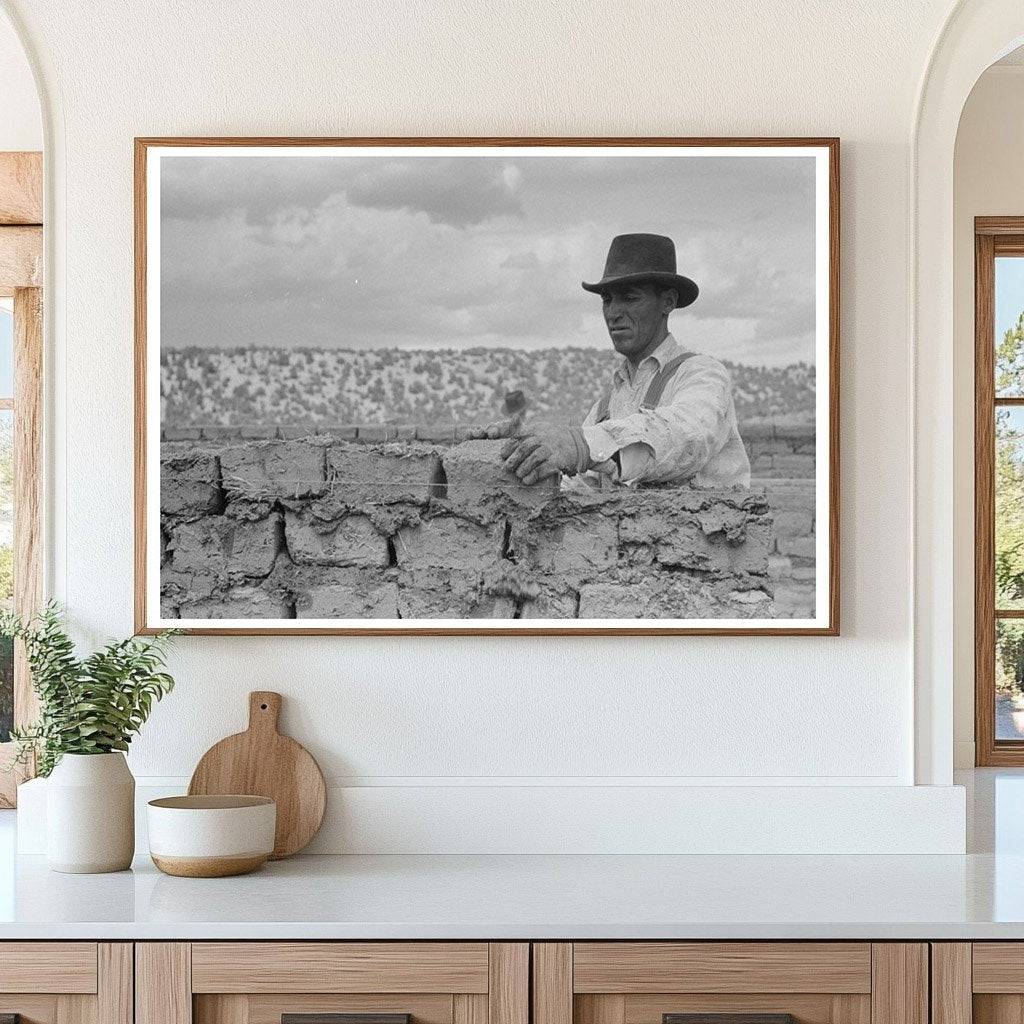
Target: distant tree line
point(314, 386)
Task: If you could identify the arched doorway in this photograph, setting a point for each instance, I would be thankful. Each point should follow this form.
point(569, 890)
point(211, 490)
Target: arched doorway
point(975, 35)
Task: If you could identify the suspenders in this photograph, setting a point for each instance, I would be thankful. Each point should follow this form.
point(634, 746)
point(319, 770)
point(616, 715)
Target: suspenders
point(654, 392)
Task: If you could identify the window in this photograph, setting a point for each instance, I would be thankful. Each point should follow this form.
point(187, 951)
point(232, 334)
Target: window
point(21, 374)
point(20, 504)
point(6, 510)
point(999, 490)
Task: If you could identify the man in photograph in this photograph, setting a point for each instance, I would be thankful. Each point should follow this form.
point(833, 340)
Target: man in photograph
point(666, 416)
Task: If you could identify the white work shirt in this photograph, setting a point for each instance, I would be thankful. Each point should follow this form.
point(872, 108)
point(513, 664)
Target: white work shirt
point(692, 434)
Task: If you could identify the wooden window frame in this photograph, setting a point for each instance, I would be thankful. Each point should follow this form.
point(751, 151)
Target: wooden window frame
point(993, 236)
point(21, 270)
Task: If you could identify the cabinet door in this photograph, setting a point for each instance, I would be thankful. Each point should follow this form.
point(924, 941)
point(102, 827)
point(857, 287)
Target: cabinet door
point(314, 982)
point(980, 982)
point(747, 982)
point(66, 982)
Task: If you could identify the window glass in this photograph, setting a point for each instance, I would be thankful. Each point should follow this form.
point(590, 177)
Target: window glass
point(1009, 510)
point(6, 567)
point(6, 349)
point(1009, 327)
point(1009, 679)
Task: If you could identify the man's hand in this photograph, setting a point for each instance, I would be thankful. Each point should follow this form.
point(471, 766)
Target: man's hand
point(545, 452)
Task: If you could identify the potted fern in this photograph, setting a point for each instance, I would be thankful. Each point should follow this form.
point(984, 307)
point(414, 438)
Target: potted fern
point(89, 710)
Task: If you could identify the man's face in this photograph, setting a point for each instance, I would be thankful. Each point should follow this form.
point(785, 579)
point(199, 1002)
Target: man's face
point(635, 315)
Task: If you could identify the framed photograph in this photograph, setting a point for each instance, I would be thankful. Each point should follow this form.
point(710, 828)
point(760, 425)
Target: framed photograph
point(487, 386)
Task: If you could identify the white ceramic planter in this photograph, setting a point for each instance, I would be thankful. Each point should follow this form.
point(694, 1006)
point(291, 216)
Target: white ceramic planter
point(90, 814)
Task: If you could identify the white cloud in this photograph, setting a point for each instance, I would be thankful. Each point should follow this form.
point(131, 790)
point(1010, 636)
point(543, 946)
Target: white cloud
point(463, 252)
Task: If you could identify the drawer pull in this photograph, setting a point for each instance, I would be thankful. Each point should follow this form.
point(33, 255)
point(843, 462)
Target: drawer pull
point(728, 1018)
point(342, 1018)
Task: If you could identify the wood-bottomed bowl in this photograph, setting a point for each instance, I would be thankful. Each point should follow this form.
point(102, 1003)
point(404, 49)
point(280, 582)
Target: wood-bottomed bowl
point(211, 836)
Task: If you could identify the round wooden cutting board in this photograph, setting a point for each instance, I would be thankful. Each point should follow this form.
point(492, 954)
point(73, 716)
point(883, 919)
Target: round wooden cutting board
point(262, 762)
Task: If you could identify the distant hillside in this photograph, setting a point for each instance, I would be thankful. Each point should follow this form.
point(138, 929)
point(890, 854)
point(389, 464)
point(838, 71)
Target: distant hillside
point(310, 386)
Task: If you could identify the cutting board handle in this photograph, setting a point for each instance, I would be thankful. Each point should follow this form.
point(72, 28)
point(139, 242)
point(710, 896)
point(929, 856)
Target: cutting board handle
point(264, 710)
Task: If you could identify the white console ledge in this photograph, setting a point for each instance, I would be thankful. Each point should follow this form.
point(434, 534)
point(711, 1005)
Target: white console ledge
point(407, 818)
point(906, 896)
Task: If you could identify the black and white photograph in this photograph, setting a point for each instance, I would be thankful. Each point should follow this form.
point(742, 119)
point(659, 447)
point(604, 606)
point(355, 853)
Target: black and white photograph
point(469, 387)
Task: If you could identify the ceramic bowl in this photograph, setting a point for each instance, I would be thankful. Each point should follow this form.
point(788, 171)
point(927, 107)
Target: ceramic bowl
point(211, 836)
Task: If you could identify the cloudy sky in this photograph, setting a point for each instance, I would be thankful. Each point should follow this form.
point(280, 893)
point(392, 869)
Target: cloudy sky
point(456, 251)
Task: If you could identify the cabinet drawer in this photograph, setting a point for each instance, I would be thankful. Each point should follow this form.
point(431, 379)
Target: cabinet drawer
point(48, 967)
point(998, 967)
point(747, 982)
point(340, 967)
point(630, 967)
point(981, 982)
point(261, 982)
point(66, 982)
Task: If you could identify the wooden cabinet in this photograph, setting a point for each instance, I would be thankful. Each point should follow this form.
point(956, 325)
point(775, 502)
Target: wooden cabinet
point(647, 982)
point(66, 982)
point(980, 982)
point(260, 982)
point(494, 983)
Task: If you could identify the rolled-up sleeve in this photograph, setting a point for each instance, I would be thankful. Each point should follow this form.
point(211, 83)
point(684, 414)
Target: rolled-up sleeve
point(678, 438)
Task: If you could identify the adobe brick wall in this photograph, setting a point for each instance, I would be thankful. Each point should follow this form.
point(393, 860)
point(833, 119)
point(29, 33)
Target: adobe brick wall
point(779, 451)
point(782, 463)
point(329, 526)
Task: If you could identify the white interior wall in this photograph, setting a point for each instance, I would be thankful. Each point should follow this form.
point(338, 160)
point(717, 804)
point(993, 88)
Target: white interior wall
point(433, 716)
point(988, 181)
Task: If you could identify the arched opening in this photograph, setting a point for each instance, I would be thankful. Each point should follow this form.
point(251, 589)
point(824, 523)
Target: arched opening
point(976, 34)
point(989, 420)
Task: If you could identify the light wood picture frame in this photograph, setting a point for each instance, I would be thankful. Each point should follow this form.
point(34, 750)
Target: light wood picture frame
point(726, 561)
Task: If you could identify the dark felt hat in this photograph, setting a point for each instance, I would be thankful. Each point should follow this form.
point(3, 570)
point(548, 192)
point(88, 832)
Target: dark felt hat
point(644, 259)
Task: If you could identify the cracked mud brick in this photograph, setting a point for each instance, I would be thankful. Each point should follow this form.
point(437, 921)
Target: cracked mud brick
point(448, 542)
point(223, 546)
point(362, 475)
point(264, 470)
point(675, 597)
point(475, 474)
point(238, 603)
point(352, 594)
point(348, 541)
point(434, 593)
point(579, 547)
point(190, 485)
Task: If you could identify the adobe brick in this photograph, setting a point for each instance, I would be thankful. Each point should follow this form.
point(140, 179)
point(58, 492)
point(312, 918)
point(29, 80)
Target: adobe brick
point(579, 547)
point(475, 476)
point(273, 469)
point(190, 485)
point(351, 594)
point(244, 602)
point(448, 542)
point(345, 542)
point(362, 475)
point(224, 547)
point(797, 547)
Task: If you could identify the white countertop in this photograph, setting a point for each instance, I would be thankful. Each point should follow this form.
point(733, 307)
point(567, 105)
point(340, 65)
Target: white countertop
point(977, 896)
point(532, 897)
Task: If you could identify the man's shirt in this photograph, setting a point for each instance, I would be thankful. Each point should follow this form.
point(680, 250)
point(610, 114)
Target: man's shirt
point(692, 434)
